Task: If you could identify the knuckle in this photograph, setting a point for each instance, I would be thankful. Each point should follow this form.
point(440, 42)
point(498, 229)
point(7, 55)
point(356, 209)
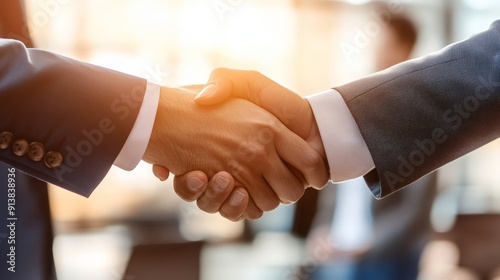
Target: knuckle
point(235, 168)
point(260, 152)
point(266, 133)
point(314, 161)
point(253, 150)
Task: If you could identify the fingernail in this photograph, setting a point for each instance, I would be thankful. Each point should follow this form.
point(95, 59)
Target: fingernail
point(236, 198)
point(161, 177)
point(195, 184)
point(206, 91)
point(221, 184)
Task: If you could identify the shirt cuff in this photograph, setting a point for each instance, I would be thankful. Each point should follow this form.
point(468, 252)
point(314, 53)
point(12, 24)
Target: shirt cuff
point(138, 139)
point(346, 150)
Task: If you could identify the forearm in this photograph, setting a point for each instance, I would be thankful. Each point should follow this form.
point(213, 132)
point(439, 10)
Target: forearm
point(422, 114)
point(415, 117)
point(80, 112)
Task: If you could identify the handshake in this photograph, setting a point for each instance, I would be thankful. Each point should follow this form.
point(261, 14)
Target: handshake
point(244, 143)
point(241, 146)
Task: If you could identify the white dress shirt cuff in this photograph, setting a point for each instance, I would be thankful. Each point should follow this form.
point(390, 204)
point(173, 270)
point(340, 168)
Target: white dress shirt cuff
point(138, 139)
point(346, 150)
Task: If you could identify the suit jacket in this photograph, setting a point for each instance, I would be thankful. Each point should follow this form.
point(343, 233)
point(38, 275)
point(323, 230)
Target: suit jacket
point(421, 114)
point(401, 222)
point(33, 242)
point(33, 229)
point(61, 120)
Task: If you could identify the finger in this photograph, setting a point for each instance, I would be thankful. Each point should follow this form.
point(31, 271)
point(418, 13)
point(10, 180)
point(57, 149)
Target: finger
point(290, 108)
point(252, 212)
point(224, 82)
point(285, 104)
point(218, 88)
point(285, 184)
point(295, 151)
point(161, 172)
point(260, 191)
point(190, 186)
point(219, 188)
point(234, 207)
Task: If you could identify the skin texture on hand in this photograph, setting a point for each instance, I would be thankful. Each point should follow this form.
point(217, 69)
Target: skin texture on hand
point(236, 136)
point(291, 109)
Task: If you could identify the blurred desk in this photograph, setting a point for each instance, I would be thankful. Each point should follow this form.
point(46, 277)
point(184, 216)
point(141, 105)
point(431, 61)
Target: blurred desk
point(105, 253)
point(270, 256)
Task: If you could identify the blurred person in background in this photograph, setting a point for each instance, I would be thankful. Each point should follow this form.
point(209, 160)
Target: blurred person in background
point(370, 239)
point(375, 239)
point(33, 232)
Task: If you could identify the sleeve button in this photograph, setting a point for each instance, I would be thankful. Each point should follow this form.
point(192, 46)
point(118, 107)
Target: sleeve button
point(5, 140)
point(36, 151)
point(20, 147)
point(53, 159)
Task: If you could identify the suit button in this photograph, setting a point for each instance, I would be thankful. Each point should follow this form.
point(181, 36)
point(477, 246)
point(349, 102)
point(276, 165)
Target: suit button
point(36, 151)
point(20, 147)
point(5, 140)
point(53, 159)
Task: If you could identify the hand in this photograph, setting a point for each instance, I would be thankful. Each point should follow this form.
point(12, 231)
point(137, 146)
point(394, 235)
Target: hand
point(251, 144)
point(290, 108)
point(234, 208)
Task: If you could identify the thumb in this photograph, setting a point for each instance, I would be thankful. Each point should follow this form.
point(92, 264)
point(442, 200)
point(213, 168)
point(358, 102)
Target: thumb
point(217, 90)
point(224, 83)
point(290, 108)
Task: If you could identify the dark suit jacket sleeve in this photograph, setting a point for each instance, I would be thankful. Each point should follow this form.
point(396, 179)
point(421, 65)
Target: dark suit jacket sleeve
point(61, 120)
point(422, 114)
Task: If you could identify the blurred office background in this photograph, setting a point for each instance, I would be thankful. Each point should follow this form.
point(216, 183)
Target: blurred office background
point(306, 45)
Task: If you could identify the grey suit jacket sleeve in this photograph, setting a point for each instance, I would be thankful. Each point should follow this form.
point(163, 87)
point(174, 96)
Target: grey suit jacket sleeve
point(422, 114)
point(61, 120)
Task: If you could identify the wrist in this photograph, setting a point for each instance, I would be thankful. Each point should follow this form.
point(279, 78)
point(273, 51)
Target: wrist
point(169, 102)
point(346, 150)
point(175, 107)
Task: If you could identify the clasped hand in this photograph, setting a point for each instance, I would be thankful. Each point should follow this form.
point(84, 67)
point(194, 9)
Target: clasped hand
point(239, 147)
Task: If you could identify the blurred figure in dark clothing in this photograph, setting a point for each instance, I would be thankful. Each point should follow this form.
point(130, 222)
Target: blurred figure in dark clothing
point(369, 239)
point(33, 259)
